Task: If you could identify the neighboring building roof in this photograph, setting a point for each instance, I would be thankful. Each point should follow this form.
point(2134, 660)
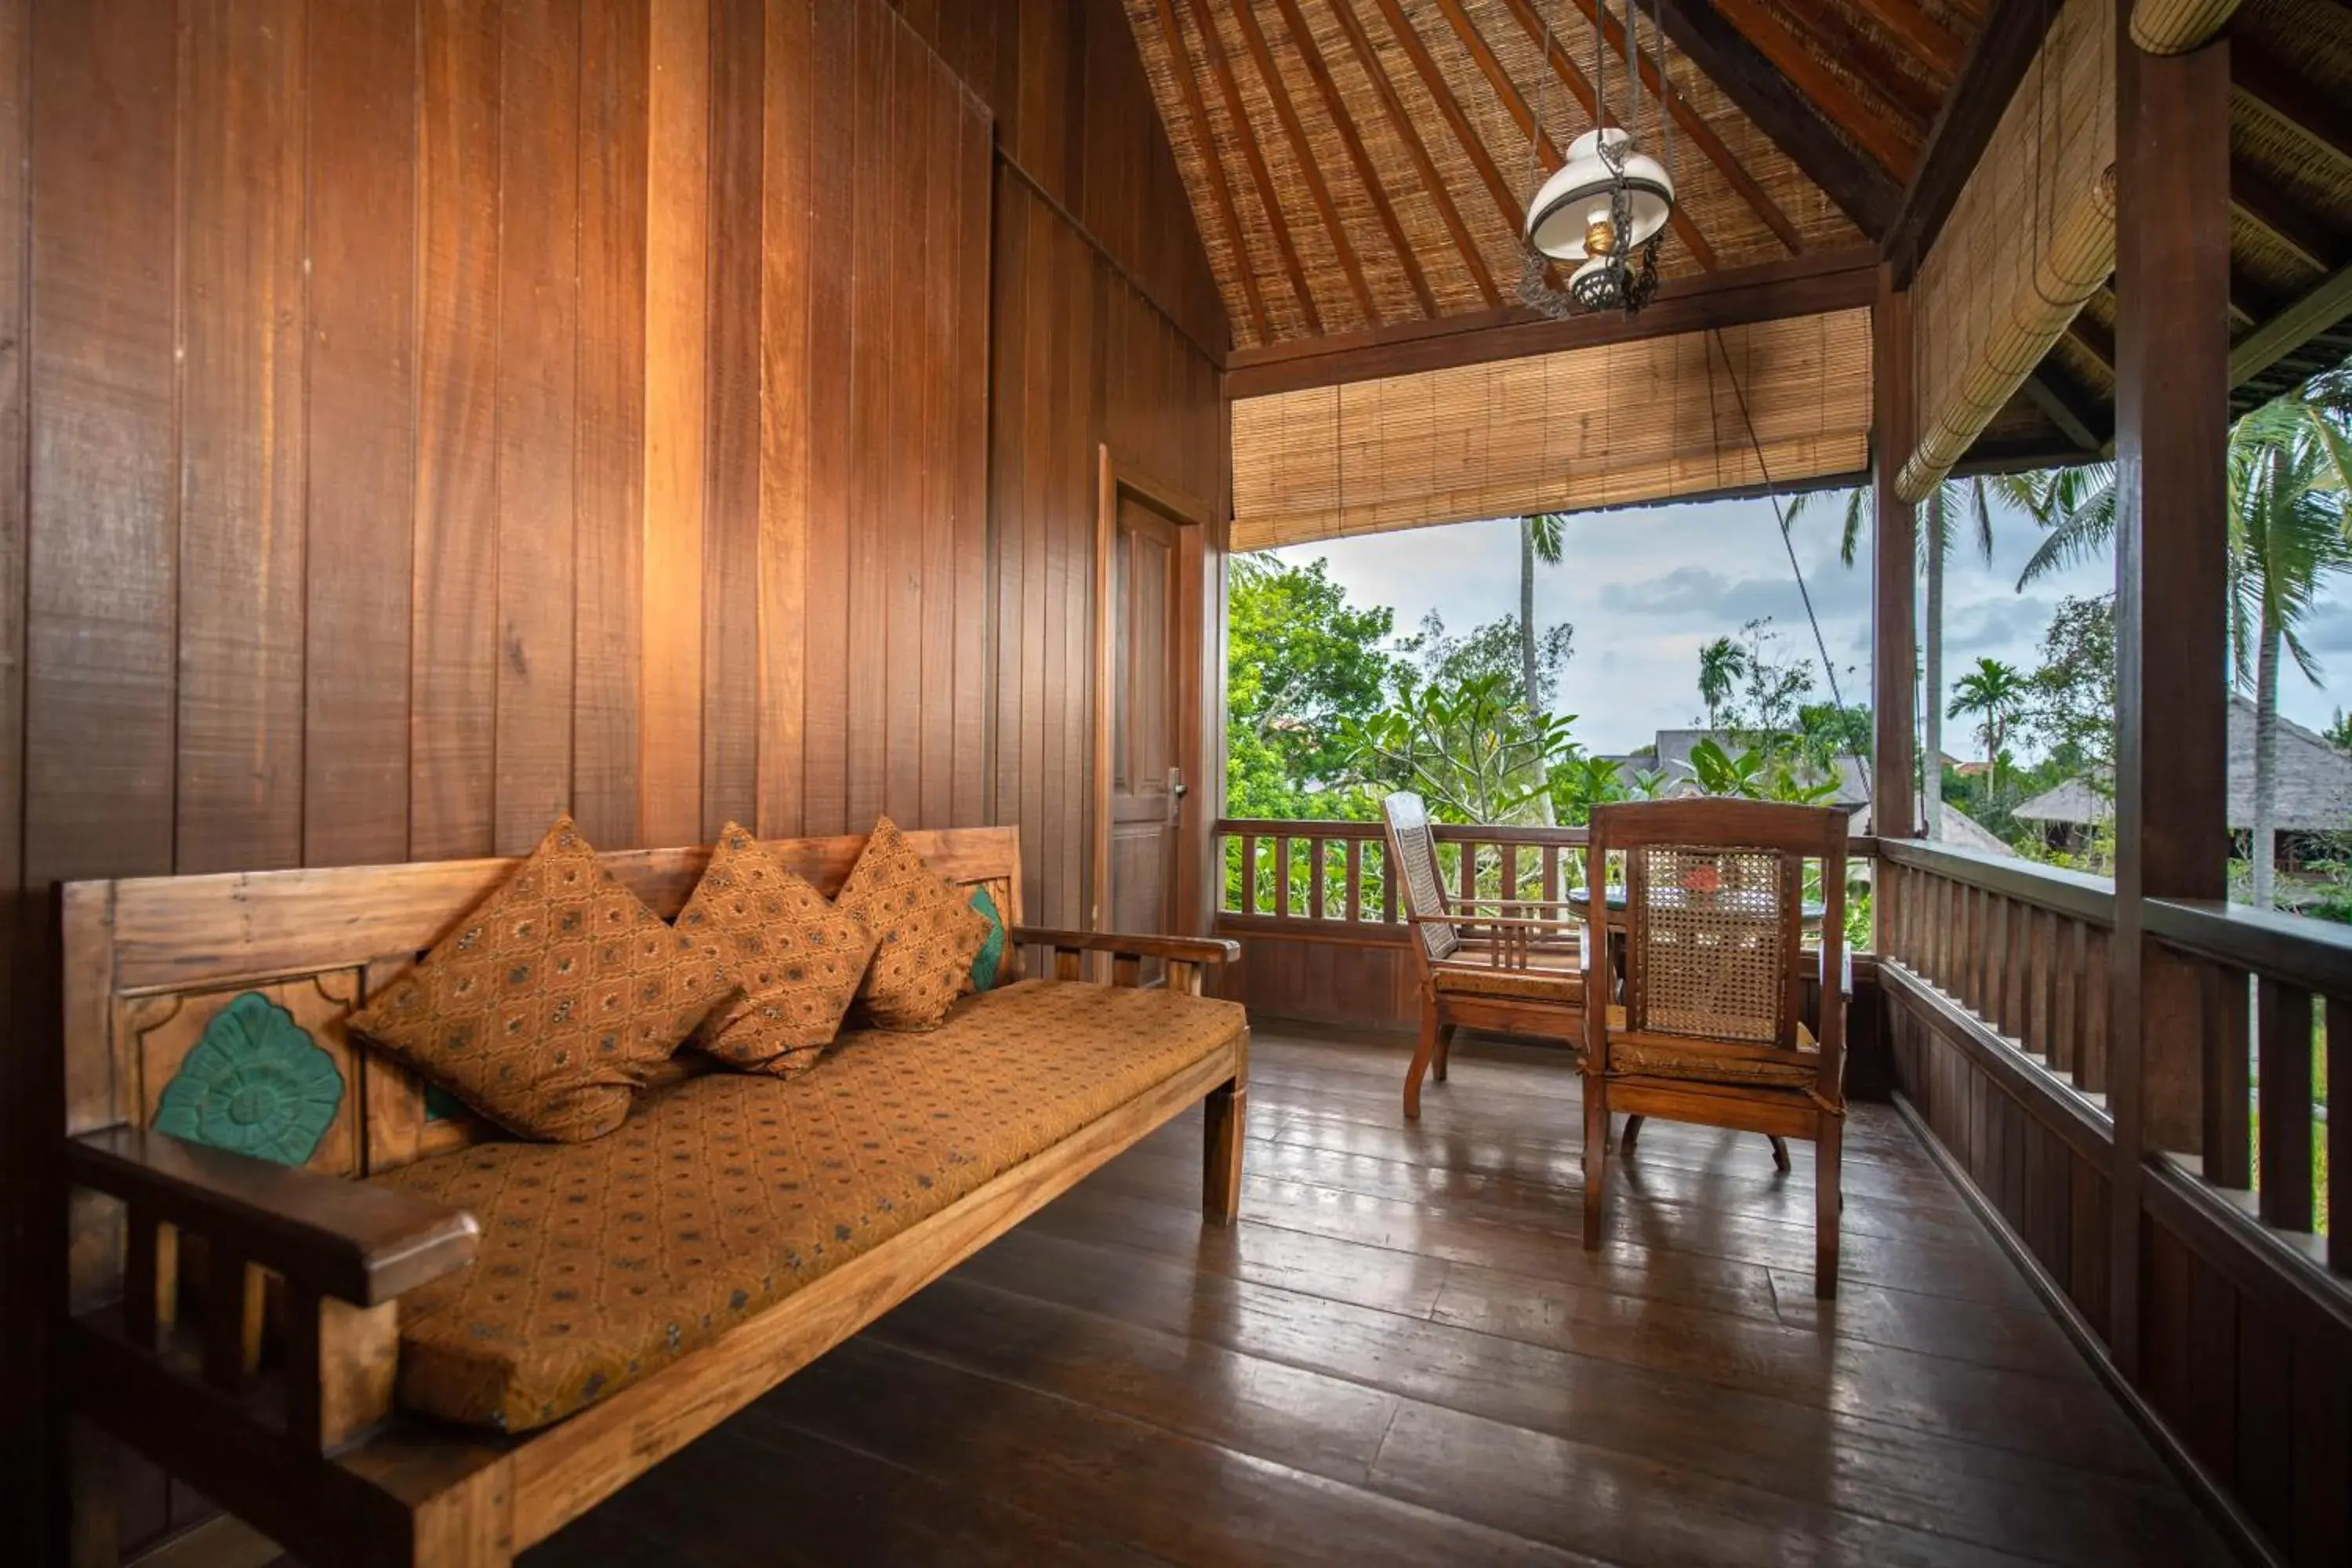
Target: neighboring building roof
point(2315, 782)
point(1961, 831)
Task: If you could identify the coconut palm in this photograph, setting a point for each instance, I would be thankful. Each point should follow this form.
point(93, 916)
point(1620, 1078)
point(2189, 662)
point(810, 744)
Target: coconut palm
point(1995, 693)
point(1541, 538)
point(1720, 665)
point(2286, 537)
point(1972, 498)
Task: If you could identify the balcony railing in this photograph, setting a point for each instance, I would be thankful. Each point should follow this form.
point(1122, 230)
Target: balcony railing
point(1335, 874)
point(2020, 955)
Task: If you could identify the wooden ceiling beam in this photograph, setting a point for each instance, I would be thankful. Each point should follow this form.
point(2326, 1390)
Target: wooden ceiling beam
point(2318, 116)
point(2066, 406)
point(2094, 339)
point(1890, 143)
point(1514, 101)
point(1400, 124)
point(1433, 80)
point(1804, 286)
point(2279, 214)
point(1309, 168)
point(1302, 38)
point(2318, 310)
point(1927, 38)
point(1997, 62)
point(1862, 190)
point(1693, 123)
point(1268, 201)
point(1196, 114)
point(1827, 23)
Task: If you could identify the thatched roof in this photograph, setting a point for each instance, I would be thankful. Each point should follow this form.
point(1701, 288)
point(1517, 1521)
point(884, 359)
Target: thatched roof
point(2314, 783)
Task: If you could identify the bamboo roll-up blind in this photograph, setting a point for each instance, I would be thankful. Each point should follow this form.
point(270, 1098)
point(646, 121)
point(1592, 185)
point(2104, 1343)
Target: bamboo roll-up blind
point(2032, 237)
point(1613, 424)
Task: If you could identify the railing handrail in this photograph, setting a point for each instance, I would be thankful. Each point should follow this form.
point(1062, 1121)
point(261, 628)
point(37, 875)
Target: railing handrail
point(1859, 846)
point(1297, 828)
point(2314, 955)
point(2075, 894)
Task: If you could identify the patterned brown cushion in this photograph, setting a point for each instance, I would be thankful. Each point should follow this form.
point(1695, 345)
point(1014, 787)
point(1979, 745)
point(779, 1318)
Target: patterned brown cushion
point(603, 1262)
point(548, 1007)
point(1655, 1058)
point(796, 959)
point(1536, 982)
point(928, 933)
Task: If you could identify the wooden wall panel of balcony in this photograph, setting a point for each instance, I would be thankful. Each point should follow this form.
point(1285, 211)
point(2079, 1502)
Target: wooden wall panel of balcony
point(445, 414)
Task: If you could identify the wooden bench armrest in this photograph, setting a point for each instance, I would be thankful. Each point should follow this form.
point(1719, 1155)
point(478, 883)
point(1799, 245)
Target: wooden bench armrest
point(336, 1237)
point(1182, 948)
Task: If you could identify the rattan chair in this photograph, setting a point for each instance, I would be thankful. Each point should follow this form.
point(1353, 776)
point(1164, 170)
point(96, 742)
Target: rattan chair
point(1709, 1027)
point(1513, 965)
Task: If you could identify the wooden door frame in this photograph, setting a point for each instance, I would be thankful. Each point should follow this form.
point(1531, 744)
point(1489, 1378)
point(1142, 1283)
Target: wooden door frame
point(1195, 519)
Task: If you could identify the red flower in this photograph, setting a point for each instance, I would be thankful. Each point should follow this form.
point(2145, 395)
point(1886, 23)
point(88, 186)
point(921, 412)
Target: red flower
point(1703, 879)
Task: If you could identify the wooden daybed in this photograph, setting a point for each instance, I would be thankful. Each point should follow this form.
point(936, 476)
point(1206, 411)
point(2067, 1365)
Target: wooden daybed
point(240, 1322)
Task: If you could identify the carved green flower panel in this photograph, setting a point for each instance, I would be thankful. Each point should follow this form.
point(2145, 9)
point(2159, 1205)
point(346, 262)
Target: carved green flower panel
point(991, 957)
point(255, 1083)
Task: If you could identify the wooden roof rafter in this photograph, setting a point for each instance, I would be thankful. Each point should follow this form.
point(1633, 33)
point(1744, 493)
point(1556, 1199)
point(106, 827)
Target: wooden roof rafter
point(1400, 124)
point(1310, 55)
point(1853, 179)
point(1285, 250)
point(1172, 38)
point(1863, 121)
point(2261, 77)
point(1433, 80)
point(1309, 166)
point(1928, 38)
point(1830, 28)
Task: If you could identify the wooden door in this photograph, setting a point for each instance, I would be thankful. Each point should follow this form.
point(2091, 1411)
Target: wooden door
point(1147, 792)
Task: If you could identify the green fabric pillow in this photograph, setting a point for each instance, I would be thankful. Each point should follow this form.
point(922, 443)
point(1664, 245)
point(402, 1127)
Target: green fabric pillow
point(990, 960)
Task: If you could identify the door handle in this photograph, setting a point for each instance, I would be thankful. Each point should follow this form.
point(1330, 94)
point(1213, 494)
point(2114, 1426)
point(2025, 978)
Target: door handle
point(1176, 790)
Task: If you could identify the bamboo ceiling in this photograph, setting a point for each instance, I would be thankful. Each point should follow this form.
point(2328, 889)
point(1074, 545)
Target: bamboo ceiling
point(1392, 213)
point(1616, 425)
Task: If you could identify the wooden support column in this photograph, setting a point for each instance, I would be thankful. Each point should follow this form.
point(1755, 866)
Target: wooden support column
point(2172, 421)
point(1895, 638)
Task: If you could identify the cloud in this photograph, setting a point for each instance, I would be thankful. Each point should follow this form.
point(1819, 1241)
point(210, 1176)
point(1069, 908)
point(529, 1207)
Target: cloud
point(1646, 587)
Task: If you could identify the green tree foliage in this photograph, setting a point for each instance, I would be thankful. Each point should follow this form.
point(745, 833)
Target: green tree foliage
point(1721, 665)
point(1439, 658)
point(1995, 695)
point(1299, 659)
point(2339, 732)
point(1470, 748)
point(2071, 696)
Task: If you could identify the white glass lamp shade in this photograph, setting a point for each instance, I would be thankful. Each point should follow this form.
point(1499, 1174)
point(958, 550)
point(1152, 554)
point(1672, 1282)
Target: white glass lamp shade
point(1577, 198)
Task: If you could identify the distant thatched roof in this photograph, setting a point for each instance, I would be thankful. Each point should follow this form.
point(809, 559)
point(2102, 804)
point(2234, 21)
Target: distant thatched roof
point(2315, 782)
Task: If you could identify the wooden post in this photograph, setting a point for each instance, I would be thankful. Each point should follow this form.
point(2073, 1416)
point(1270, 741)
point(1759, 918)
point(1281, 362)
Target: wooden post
point(2172, 421)
point(1895, 636)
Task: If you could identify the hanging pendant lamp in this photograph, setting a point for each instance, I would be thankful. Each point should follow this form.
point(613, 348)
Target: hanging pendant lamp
point(1606, 207)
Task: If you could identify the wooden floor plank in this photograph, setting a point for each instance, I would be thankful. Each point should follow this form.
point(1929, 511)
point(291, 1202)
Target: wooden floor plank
point(1401, 1353)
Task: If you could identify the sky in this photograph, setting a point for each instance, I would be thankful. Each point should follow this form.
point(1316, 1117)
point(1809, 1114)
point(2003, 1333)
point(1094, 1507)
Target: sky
point(1645, 588)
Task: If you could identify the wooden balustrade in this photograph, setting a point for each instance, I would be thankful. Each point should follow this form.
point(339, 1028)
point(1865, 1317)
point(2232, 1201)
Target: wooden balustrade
point(1334, 875)
point(2021, 949)
point(2274, 997)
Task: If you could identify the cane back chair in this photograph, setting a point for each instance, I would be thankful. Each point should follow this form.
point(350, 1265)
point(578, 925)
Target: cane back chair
point(1513, 965)
point(1709, 1024)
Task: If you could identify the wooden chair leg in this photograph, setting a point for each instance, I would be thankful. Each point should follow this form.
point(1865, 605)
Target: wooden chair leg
point(1223, 1116)
point(1828, 1202)
point(1779, 1154)
point(1422, 1053)
point(95, 1461)
point(1632, 1131)
point(1596, 1155)
point(1445, 1050)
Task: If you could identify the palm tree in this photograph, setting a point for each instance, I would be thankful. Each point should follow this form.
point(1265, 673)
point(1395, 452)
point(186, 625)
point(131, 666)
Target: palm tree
point(1720, 665)
point(1540, 539)
point(1972, 498)
point(2287, 537)
point(1995, 693)
point(2288, 467)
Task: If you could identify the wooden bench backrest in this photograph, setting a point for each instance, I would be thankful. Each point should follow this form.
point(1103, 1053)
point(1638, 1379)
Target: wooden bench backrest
point(152, 962)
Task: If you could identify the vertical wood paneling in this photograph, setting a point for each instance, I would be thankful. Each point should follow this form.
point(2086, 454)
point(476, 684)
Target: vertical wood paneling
point(911, 189)
point(731, 538)
point(539, 307)
point(933, 742)
point(677, 387)
point(824, 700)
point(969, 730)
point(362, 408)
point(241, 447)
point(453, 679)
point(103, 601)
point(876, 176)
point(609, 557)
point(786, 388)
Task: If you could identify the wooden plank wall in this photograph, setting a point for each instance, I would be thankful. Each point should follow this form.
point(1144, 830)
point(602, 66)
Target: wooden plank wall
point(2251, 1369)
point(419, 417)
